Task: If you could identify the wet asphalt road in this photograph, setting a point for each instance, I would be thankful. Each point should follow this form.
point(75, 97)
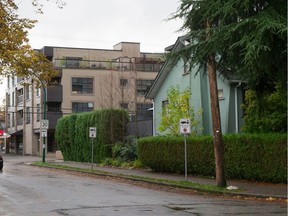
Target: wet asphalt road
point(27, 190)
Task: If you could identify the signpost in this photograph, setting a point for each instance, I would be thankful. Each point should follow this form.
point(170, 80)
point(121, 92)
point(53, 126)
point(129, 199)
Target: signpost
point(44, 128)
point(185, 129)
point(92, 135)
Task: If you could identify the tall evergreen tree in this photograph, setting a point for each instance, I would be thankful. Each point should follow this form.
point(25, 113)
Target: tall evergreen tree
point(243, 37)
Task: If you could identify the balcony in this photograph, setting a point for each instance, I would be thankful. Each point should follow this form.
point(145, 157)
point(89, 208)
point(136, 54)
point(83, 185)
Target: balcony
point(55, 93)
point(106, 65)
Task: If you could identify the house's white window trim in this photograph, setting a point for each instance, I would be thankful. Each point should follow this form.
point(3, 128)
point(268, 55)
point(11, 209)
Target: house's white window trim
point(221, 94)
point(186, 67)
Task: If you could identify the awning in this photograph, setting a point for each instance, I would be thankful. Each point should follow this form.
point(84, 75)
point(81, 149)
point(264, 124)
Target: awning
point(7, 136)
point(17, 133)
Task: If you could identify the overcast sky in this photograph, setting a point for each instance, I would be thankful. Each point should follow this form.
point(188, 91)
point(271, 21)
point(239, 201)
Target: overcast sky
point(101, 24)
point(104, 23)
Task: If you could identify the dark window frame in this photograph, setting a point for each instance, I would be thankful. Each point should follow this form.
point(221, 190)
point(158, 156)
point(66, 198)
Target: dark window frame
point(82, 85)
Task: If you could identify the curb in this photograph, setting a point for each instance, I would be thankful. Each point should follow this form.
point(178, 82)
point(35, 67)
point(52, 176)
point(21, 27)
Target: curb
point(199, 190)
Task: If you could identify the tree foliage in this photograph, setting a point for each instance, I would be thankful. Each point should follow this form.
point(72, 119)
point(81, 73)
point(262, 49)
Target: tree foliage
point(249, 38)
point(271, 117)
point(177, 108)
point(16, 55)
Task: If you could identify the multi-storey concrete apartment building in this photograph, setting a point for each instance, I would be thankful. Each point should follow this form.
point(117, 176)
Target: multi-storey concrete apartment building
point(88, 79)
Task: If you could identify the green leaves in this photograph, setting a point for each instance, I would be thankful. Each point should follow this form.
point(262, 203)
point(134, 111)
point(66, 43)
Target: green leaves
point(177, 107)
point(248, 36)
point(72, 133)
point(16, 55)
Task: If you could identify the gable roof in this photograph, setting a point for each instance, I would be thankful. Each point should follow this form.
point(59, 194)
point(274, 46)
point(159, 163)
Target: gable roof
point(166, 68)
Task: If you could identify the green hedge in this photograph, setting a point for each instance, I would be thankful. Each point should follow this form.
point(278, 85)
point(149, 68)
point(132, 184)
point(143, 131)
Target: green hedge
point(72, 134)
point(247, 156)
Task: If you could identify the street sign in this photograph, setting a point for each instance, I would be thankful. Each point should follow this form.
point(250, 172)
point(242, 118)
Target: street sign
point(185, 127)
point(45, 124)
point(44, 132)
point(92, 132)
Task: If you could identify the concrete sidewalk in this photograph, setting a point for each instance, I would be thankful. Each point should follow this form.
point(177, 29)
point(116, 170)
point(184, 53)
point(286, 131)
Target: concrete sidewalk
point(248, 188)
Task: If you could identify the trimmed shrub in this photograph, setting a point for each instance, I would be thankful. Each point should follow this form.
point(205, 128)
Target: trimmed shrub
point(72, 134)
point(255, 157)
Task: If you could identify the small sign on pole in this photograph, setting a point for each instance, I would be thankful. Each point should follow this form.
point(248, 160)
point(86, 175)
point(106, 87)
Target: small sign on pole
point(92, 132)
point(45, 124)
point(92, 135)
point(185, 127)
point(44, 132)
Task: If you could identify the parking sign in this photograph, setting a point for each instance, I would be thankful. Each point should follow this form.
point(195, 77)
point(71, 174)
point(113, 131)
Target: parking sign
point(185, 127)
point(92, 132)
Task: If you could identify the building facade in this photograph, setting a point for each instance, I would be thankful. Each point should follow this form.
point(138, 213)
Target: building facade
point(230, 93)
point(88, 79)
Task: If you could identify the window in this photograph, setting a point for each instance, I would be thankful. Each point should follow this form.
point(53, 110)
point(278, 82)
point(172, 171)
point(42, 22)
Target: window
point(73, 62)
point(143, 86)
point(144, 112)
point(82, 85)
point(13, 80)
point(123, 82)
point(164, 104)
point(13, 98)
point(124, 106)
point(20, 96)
point(13, 120)
point(19, 117)
point(8, 100)
point(221, 94)
point(54, 106)
point(38, 112)
point(82, 107)
point(186, 67)
point(28, 115)
point(27, 90)
point(38, 92)
point(8, 120)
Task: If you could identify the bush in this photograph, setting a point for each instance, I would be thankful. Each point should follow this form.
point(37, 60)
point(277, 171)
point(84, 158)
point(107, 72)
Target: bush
point(267, 113)
point(255, 157)
point(125, 151)
point(72, 134)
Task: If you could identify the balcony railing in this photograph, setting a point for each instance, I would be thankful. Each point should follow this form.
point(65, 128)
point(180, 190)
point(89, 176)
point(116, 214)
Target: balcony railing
point(106, 65)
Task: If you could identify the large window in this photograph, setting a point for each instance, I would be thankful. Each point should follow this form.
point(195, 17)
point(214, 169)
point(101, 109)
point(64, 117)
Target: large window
point(144, 111)
point(82, 85)
point(143, 86)
point(82, 107)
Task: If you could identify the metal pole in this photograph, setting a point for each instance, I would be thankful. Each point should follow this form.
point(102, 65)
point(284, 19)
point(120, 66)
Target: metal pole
point(44, 117)
point(92, 160)
point(185, 149)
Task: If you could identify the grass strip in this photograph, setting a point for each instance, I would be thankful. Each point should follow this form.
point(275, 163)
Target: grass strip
point(181, 184)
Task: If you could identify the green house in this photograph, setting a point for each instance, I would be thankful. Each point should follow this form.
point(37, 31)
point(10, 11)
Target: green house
point(230, 93)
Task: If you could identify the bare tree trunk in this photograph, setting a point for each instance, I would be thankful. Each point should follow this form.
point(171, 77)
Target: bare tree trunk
point(216, 124)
